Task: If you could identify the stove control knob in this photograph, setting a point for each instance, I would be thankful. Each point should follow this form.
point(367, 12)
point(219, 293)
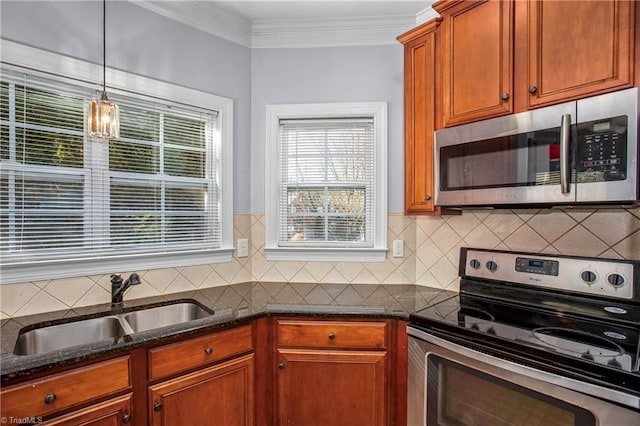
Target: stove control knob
point(475, 263)
point(614, 363)
point(588, 277)
point(616, 280)
point(587, 355)
point(492, 266)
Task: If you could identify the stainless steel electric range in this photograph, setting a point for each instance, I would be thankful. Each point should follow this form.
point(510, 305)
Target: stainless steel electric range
point(531, 339)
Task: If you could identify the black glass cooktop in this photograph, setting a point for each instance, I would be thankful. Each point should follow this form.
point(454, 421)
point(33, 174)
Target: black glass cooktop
point(550, 331)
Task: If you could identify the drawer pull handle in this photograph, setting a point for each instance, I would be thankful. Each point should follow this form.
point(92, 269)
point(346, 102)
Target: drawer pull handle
point(157, 406)
point(281, 366)
point(126, 418)
point(533, 89)
point(50, 398)
point(332, 336)
point(208, 350)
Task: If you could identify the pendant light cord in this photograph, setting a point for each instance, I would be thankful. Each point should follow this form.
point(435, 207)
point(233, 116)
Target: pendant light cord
point(104, 49)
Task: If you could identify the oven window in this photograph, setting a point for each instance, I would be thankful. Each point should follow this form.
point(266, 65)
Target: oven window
point(458, 395)
point(526, 159)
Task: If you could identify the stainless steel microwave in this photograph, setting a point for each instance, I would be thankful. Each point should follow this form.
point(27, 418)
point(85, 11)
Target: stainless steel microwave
point(581, 152)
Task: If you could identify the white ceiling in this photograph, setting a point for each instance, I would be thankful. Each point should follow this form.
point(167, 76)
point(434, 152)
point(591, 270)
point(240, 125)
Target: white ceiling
point(298, 23)
point(302, 9)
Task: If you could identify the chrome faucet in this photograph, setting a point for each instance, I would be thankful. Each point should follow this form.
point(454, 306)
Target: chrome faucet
point(118, 287)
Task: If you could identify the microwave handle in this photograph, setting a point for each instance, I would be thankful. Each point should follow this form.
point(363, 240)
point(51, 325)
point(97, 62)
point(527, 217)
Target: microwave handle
point(565, 169)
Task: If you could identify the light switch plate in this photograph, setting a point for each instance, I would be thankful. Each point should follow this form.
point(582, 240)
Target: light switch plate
point(398, 248)
point(243, 247)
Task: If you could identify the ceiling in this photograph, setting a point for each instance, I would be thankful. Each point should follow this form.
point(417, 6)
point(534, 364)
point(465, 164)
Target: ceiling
point(298, 23)
point(304, 9)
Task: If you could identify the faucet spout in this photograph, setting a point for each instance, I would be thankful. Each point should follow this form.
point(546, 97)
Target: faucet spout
point(118, 287)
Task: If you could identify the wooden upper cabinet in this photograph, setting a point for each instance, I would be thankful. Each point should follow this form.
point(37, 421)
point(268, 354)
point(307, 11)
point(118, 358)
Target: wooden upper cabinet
point(419, 115)
point(477, 60)
point(575, 49)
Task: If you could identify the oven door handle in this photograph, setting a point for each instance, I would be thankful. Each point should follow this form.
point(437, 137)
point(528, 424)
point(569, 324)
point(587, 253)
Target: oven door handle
point(565, 167)
point(554, 379)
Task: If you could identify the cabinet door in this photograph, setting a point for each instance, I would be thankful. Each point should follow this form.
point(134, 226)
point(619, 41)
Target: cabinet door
point(419, 116)
point(328, 388)
point(114, 412)
point(477, 57)
point(578, 48)
point(221, 395)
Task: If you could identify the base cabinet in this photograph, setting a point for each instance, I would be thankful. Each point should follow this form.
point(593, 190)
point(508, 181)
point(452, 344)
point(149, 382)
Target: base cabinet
point(221, 395)
point(332, 372)
point(87, 395)
point(327, 388)
point(306, 371)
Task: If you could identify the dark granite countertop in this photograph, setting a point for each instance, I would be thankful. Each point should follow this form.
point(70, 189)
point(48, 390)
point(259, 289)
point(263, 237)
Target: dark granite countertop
point(232, 305)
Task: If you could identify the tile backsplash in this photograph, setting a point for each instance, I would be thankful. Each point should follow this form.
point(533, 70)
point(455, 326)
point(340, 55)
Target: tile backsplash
point(431, 256)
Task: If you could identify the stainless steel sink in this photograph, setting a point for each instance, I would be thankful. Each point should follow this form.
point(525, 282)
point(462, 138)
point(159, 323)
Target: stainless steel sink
point(55, 337)
point(107, 328)
point(162, 316)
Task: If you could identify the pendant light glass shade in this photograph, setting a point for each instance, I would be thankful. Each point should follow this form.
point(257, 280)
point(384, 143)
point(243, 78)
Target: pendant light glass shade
point(104, 116)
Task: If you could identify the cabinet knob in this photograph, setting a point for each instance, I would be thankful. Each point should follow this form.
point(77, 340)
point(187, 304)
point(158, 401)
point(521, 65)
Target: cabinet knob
point(281, 366)
point(504, 96)
point(126, 418)
point(427, 197)
point(208, 350)
point(157, 406)
point(50, 398)
point(332, 336)
point(533, 89)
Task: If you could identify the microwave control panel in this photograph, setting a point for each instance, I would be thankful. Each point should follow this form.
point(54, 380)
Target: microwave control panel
point(602, 150)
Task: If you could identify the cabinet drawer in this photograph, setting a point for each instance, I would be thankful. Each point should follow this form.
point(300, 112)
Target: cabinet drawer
point(192, 353)
point(331, 334)
point(116, 411)
point(43, 397)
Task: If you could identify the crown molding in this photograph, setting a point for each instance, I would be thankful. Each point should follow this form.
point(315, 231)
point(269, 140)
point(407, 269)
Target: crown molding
point(220, 21)
point(359, 31)
point(212, 19)
point(427, 14)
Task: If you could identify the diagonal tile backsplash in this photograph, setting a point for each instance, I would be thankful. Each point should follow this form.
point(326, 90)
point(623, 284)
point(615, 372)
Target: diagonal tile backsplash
point(613, 233)
point(432, 246)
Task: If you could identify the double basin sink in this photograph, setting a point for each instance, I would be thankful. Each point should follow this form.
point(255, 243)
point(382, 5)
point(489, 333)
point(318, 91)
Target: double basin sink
point(112, 327)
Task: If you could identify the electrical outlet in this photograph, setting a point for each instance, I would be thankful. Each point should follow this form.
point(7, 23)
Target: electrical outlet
point(398, 248)
point(243, 247)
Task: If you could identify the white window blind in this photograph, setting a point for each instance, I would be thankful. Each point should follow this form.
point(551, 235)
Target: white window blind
point(64, 195)
point(326, 182)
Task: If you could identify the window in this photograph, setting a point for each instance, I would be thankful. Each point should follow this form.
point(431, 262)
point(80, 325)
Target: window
point(73, 205)
point(326, 182)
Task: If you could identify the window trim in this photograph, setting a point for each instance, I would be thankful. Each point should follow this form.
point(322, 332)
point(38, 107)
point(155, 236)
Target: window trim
point(274, 252)
point(121, 82)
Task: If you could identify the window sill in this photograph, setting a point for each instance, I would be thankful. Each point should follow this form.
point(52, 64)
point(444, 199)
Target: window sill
point(47, 270)
point(309, 254)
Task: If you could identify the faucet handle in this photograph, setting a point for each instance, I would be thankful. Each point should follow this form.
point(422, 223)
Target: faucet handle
point(116, 279)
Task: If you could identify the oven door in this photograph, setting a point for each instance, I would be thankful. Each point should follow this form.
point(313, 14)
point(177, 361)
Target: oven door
point(450, 384)
point(515, 159)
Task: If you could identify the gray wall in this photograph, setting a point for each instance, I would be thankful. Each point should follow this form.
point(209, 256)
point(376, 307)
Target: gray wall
point(331, 74)
point(144, 43)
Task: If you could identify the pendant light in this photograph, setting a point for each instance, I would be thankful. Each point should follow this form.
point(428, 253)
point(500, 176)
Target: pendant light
point(104, 116)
